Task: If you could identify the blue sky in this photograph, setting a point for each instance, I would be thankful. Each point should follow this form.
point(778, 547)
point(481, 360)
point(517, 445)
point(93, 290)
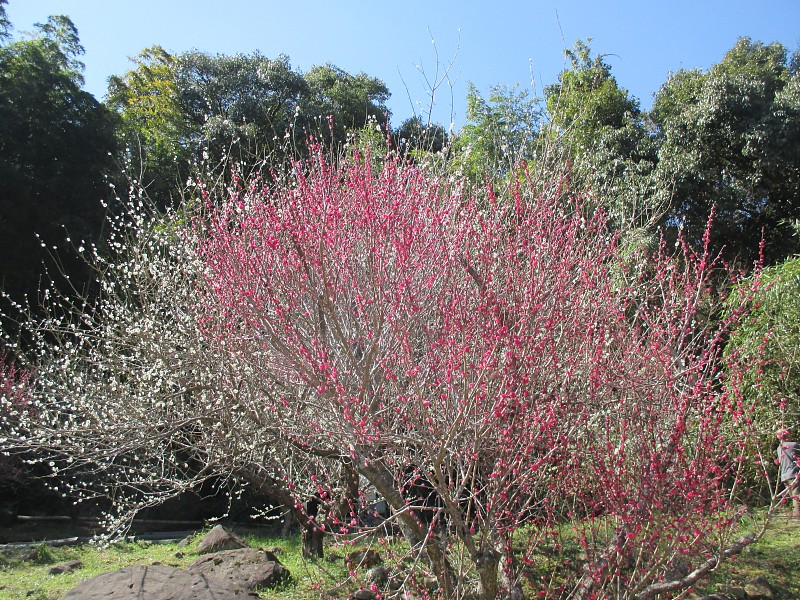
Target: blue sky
point(493, 41)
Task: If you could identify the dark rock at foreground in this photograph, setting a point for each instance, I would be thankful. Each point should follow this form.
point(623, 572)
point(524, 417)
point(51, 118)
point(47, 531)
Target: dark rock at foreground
point(242, 569)
point(219, 539)
point(156, 582)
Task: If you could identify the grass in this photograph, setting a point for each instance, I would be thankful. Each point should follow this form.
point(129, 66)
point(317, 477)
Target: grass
point(776, 557)
point(24, 573)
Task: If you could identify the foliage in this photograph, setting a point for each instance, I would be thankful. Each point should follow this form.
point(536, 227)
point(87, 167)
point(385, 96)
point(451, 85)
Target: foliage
point(415, 138)
point(499, 134)
point(586, 100)
point(54, 144)
point(5, 24)
point(350, 101)
point(600, 129)
point(192, 108)
point(153, 129)
point(768, 341)
point(726, 139)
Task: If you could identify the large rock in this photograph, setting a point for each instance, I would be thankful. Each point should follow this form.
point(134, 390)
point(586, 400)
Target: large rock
point(153, 583)
point(65, 567)
point(219, 539)
point(242, 569)
point(760, 589)
point(363, 558)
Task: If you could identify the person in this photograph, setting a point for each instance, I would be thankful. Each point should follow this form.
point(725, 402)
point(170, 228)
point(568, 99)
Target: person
point(788, 453)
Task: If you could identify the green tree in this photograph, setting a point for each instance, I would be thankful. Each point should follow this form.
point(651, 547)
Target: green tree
point(153, 129)
point(501, 132)
point(599, 128)
point(352, 100)
point(238, 105)
point(5, 24)
point(767, 345)
point(182, 109)
point(416, 138)
point(728, 138)
point(55, 140)
point(587, 101)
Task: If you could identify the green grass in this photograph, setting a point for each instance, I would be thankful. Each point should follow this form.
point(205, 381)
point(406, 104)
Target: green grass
point(24, 574)
point(776, 557)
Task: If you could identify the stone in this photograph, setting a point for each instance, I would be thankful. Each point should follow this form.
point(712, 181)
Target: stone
point(363, 595)
point(65, 567)
point(378, 575)
point(185, 541)
point(242, 569)
point(153, 583)
point(760, 589)
point(733, 592)
point(219, 539)
point(363, 558)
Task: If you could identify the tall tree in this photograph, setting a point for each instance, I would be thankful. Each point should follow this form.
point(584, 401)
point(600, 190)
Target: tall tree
point(191, 107)
point(500, 132)
point(352, 101)
point(728, 138)
point(598, 126)
point(5, 24)
point(55, 140)
point(153, 129)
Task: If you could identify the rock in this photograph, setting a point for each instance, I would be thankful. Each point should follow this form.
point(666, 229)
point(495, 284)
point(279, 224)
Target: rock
point(715, 597)
point(760, 589)
point(179, 555)
point(363, 558)
point(153, 583)
point(29, 555)
point(185, 541)
point(363, 595)
point(219, 539)
point(65, 567)
point(733, 592)
point(242, 569)
point(378, 575)
point(431, 583)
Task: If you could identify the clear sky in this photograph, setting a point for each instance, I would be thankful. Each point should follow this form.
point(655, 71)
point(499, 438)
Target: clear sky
point(493, 41)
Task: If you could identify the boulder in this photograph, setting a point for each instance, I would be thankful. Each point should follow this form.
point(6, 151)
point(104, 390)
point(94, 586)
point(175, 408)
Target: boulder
point(153, 583)
point(363, 558)
point(242, 569)
point(379, 575)
point(732, 592)
point(219, 539)
point(65, 567)
point(760, 589)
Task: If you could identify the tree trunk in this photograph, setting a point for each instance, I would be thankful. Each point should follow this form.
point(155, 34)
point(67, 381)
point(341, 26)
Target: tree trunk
point(312, 538)
point(487, 565)
point(416, 533)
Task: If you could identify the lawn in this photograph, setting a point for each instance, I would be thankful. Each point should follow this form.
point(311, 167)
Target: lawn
point(24, 573)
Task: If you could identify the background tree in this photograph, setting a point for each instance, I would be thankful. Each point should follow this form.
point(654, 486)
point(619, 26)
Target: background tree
point(5, 24)
point(725, 139)
point(352, 101)
point(153, 130)
point(768, 342)
point(415, 138)
point(500, 133)
point(185, 109)
point(598, 127)
point(55, 141)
